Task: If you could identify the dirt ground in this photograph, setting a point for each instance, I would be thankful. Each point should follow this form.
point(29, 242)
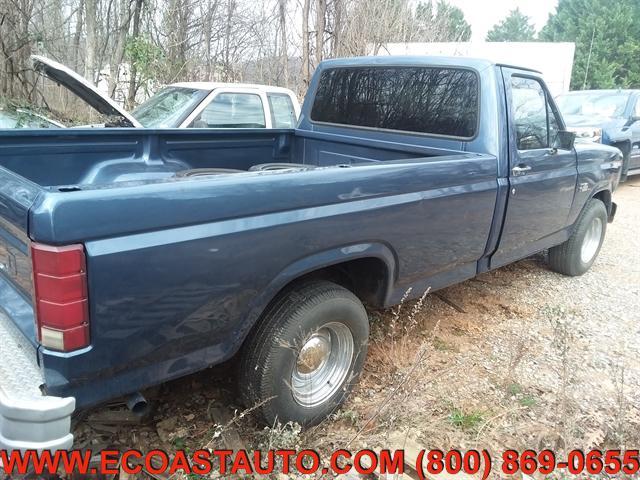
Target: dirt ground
point(517, 358)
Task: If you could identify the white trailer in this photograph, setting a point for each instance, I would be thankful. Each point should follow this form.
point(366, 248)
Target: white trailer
point(553, 60)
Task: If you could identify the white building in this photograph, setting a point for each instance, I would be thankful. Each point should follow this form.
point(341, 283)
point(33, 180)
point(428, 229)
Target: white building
point(554, 60)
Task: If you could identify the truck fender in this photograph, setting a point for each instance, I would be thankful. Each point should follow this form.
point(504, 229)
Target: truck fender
point(312, 263)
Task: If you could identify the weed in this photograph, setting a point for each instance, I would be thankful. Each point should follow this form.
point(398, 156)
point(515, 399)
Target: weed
point(179, 443)
point(350, 416)
point(528, 401)
point(465, 420)
point(443, 346)
point(514, 389)
point(280, 436)
point(396, 346)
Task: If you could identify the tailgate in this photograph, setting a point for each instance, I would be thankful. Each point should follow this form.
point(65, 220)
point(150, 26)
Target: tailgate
point(17, 195)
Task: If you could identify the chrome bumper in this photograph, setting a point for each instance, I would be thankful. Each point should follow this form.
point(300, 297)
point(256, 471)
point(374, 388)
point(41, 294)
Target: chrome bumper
point(28, 419)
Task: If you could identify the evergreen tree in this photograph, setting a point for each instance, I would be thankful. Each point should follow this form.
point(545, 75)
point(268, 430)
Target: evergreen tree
point(607, 38)
point(516, 27)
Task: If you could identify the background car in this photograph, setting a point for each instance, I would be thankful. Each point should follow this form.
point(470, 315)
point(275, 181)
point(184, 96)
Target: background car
point(21, 118)
point(611, 117)
point(186, 105)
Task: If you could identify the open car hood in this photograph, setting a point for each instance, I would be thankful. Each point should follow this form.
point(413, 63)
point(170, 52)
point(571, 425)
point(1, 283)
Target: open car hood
point(82, 88)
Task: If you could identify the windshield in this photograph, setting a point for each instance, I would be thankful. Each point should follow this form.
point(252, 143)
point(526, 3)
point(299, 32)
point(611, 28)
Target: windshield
point(601, 104)
point(20, 118)
point(168, 107)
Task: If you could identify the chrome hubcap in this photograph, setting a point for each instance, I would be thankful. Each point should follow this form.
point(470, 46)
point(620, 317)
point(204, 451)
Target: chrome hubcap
point(591, 241)
point(322, 364)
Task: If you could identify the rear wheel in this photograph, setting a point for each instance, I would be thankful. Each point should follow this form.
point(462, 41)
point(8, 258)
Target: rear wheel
point(575, 256)
point(306, 355)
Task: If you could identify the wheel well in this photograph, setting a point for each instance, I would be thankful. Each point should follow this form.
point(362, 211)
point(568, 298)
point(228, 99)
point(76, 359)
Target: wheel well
point(624, 147)
point(368, 278)
point(605, 197)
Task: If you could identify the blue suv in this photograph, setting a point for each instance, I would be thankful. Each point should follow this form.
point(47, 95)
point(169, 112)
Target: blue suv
point(611, 117)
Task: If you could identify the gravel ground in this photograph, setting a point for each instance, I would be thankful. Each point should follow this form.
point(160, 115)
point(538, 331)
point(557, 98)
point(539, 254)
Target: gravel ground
point(517, 358)
point(536, 359)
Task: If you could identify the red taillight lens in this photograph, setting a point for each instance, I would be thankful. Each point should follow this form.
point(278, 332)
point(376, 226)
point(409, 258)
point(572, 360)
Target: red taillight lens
point(60, 296)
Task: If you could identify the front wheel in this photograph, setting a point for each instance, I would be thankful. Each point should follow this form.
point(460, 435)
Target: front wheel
point(305, 356)
point(575, 256)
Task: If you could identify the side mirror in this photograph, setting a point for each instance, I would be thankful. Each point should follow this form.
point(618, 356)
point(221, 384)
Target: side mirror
point(634, 119)
point(565, 140)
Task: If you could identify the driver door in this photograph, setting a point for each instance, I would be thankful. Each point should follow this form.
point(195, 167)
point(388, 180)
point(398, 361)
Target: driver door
point(542, 178)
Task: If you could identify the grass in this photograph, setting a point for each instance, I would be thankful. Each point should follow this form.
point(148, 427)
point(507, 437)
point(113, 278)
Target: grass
point(443, 346)
point(466, 420)
point(528, 401)
point(514, 389)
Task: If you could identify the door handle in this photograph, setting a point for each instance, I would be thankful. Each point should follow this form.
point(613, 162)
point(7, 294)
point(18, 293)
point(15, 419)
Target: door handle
point(520, 170)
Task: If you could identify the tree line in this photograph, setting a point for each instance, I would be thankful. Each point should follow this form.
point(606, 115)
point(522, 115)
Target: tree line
point(606, 34)
point(138, 45)
point(155, 42)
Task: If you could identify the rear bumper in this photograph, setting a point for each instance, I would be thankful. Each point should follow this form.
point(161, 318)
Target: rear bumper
point(28, 419)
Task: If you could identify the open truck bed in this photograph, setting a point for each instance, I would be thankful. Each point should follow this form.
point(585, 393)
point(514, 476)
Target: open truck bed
point(163, 251)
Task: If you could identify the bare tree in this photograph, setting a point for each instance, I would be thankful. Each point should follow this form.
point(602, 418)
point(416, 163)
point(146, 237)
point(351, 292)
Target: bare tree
point(306, 67)
point(162, 41)
point(77, 35)
point(133, 69)
point(321, 14)
point(91, 12)
point(284, 53)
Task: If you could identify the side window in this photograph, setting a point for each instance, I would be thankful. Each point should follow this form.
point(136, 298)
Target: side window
point(232, 110)
point(554, 126)
point(636, 113)
point(283, 114)
point(529, 113)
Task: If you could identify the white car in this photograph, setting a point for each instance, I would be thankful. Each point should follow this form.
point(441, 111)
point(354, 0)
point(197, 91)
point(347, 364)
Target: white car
point(219, 105)
point(188, 104)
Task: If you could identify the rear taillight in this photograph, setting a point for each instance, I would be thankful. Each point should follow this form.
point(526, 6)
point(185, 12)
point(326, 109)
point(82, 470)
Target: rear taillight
point(61, 303)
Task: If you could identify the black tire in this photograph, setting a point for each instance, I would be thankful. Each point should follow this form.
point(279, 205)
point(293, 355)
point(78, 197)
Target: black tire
point(270, 354)
point(567, 258)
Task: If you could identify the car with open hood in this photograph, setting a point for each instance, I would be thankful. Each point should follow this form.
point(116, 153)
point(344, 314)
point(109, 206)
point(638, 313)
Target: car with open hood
point(186, 104)
point(16, 117)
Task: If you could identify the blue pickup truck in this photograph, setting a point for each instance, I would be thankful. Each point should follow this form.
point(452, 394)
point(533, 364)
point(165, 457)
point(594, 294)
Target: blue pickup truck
point(130, 257)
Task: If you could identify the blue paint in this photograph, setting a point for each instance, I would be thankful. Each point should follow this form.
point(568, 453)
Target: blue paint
point(180, 269)
point(620, 129)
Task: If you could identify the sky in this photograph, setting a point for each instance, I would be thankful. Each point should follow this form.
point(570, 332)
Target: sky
point(484, 14)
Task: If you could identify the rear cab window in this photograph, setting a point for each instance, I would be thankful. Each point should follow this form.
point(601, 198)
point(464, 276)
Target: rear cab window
point(442, 101)
point(232, 110)
point(283, 115)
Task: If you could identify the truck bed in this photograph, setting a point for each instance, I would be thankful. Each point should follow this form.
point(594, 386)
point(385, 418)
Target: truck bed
point(184, 266)
point(71, 160)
